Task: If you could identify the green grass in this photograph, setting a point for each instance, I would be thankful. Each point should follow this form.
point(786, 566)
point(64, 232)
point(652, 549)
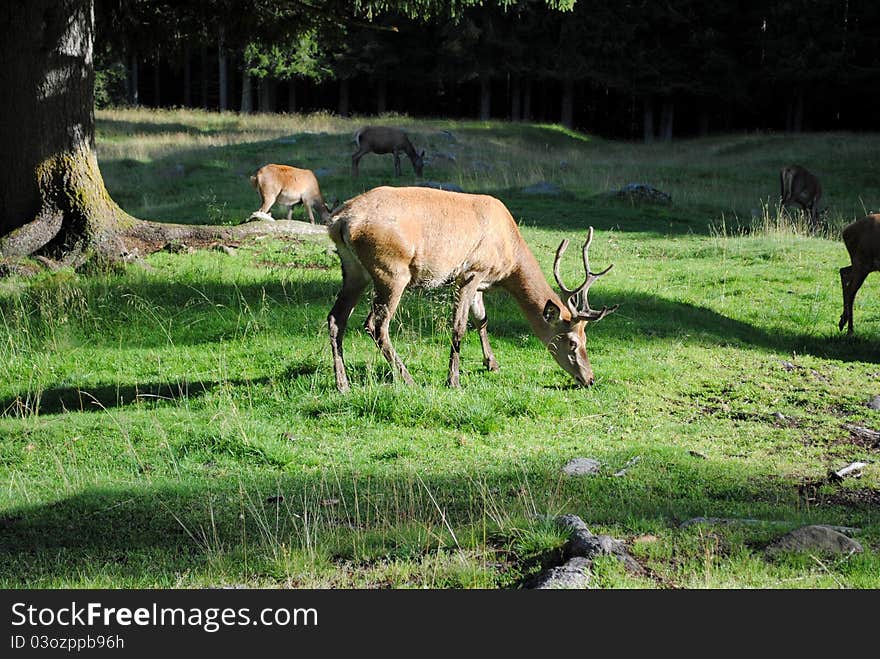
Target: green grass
point(178, 425)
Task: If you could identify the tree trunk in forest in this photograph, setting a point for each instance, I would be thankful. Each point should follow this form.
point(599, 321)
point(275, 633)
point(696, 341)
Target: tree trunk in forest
point(291, 95)
point(648, 119)
point(204, 80)
point(157, 82)
point(485, 97)
point(704, 123)
point(266, 95)
point(133, 81)
point(797, 120)
point(247, 101)
point(52, 196)
point(667, 119)
point(222, 74)
point(527, 101)
point(515, 99)
point(187, 76)
point(567, 103)
point(343, 97)
point(381, 96)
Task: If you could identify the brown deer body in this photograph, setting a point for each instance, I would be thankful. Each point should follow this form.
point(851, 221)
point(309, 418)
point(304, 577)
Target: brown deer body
point(862, 240)
point(289, 186)
point(801, 187)
point(382, 140)
point(398, 238)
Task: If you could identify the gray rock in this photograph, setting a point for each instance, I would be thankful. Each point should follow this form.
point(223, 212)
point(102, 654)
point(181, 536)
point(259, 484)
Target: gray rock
point(544, 187)
point(452, 187)
point(874, 402)
point(582, 543)
point(322, 171)
point(815, 538)
point(574, 574)
point(581, 467)
point(641, 192)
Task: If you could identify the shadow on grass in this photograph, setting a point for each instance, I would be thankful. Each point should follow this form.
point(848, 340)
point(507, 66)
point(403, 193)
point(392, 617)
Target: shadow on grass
point(208, 525)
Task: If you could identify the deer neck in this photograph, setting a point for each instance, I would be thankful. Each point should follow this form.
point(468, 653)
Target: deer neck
point(530, 289)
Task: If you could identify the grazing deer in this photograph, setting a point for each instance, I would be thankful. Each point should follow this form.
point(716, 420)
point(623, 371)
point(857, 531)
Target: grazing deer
point(421, 237)
point(289, 186)
point(862, 240)
point(799, 186)
point(381, 140)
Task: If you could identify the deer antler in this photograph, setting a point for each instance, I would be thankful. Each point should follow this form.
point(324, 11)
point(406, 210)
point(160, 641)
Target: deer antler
point(576, 299)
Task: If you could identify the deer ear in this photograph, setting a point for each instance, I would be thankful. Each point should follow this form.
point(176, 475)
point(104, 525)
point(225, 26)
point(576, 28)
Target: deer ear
point(551, 312)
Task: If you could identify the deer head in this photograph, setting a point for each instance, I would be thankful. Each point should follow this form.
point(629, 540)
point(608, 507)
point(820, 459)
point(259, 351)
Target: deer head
point(568, 343)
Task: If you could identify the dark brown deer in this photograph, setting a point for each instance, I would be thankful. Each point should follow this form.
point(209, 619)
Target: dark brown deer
point(289, 186)
point(399, 238)
point(382, 140)
point(799, 186)
point(862, 240)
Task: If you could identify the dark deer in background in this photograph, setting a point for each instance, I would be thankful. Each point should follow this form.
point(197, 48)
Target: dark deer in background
point(399, 238)
point(381, 140)
point(799, 186)
point(862, 240)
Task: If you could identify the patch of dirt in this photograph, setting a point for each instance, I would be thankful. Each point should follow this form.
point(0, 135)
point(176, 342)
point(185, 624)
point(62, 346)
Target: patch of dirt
point(866, 496)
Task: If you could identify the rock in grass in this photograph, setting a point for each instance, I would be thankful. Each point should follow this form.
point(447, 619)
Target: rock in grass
point(581, 467)
point(874, 402)
point(815, 538)
point(583, 544)
point(544, 187)
point(574, 574)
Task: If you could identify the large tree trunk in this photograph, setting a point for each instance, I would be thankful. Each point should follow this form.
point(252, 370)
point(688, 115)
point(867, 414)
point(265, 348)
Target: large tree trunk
point(204, 80)
point(52, 195)
point(527, 101)
point(485, 97)
point(266, 95)
point(567, 113)
point(797, 120)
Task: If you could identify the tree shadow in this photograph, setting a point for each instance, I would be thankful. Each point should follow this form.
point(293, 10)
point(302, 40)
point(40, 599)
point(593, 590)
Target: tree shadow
point(161, 528)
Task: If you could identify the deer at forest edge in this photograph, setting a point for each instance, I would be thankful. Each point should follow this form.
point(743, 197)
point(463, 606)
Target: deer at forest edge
point(382, 140)
point(862, 240)
point(289, 186)
point(421, 237)
point(799, 186)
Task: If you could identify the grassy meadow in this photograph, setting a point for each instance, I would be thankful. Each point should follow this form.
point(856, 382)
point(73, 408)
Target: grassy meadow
point(177, 424)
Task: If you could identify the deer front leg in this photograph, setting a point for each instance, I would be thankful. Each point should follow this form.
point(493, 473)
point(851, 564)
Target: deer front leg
point(478, 313)
point(355, 161)
point(397, 170)
point(465, 297)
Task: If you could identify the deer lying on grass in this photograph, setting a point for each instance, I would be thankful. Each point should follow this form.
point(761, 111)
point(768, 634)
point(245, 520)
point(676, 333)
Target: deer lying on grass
point(421, 237)
point(289, 186)
point(381, 140)
point(862, 240)
point(799, 186)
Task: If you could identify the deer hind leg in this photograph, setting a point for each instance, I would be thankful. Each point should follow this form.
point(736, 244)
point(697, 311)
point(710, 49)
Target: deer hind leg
point(354, 280)
point(355, 161)
point(481, 320)
point(851, 280)
point(268, 202)
point(385, 302)
point(397, 170)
